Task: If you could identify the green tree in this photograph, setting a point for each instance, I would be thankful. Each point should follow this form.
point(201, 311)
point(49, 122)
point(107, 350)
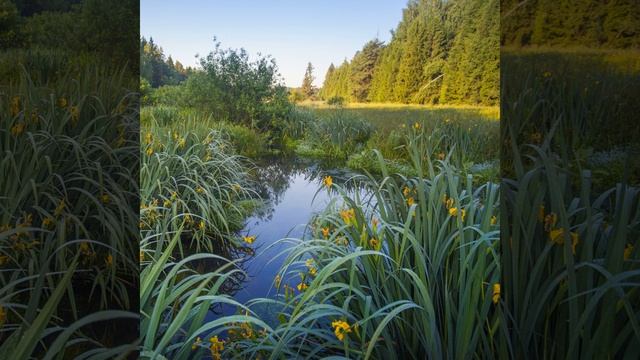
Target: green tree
point(233, 88)
point(362, 68)
point(9, 25)
point(307, 82)
point(329, 80)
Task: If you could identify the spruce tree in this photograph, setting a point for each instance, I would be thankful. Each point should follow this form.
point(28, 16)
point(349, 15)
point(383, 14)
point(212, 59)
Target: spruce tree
point(307, 83)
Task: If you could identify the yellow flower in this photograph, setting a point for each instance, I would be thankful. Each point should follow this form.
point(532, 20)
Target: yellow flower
point(75, 114)
point(249, 239)
point(454, 212)
point(496, 293)
point(47, 222)
point(17, 129)
point(557, 236)
point(174, 195)
point(410, 201)
point(340, 328)
point(196, 343)
point(348, 216)
point(327, 181)
point(109, 260)
point(59, 208)
point(546, 74)
point(536, 137)
point(406, 191)
point(187, 218)
point(448, 203)
point(166, 203)
point(105, 199)
point(325, 232)
point(374, 224)
point(441, 156)
point(200, 190)
point(201, 225)
point(182, 143)
point(62, 102)
point(302, 287)
point(216, 347)
point(309, 263)
point(494, 220)
point(374, 243)
point(416, 126)
point(277, 281)
point(15, 105)
point(628, 250)
point(148, 138)
point(150, 151)
point(84, 248)
point(313, 271)
point(141, 256)
point(34, 116)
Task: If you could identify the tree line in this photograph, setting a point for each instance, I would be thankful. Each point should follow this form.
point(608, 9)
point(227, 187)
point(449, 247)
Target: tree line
point(156, 69)
point(587, 23)
point(106, 29)
point(442, 52)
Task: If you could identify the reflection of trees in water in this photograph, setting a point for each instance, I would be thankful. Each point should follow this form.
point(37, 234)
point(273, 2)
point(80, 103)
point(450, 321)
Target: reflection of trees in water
point(272, 177)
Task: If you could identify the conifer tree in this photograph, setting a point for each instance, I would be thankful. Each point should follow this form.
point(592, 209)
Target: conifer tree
point(307, 83)
point(362, 67)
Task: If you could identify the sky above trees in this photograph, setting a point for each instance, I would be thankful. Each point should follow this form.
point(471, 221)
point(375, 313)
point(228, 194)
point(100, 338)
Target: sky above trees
point(294, 32)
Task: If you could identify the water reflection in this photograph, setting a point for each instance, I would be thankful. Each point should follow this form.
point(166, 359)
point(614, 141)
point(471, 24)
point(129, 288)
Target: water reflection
point(289, 187)
point(273, 177)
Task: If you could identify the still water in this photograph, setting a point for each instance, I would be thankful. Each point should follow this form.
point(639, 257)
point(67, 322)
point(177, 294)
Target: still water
point(293, 191)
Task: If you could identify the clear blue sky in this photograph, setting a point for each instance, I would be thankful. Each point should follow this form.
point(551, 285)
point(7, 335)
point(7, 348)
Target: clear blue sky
point(294, 32)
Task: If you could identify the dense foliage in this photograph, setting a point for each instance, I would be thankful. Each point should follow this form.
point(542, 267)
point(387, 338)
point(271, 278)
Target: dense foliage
point(91, 28)
point(158, 70)
point(69, 190)
point(590, 23)
point(441, 52)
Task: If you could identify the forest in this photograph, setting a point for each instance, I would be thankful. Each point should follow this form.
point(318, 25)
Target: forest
point(442, 52)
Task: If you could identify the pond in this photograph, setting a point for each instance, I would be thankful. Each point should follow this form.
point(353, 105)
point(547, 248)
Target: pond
point(292, 188)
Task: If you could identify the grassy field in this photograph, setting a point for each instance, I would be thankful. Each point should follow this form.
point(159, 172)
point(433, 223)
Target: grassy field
point(386, 117)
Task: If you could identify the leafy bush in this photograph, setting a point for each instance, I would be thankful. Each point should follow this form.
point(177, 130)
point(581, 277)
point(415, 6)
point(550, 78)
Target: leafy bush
point(336, 101)
point(169, 95)
point(233, 88)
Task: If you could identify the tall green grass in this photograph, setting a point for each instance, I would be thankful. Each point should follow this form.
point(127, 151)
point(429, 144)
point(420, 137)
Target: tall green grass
point(569, 239)
point(408, 273)
point(68, 234)
point(194, 197)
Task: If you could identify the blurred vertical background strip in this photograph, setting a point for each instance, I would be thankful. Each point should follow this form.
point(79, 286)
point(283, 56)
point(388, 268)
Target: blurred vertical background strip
point(570, 232)
point(69, 174)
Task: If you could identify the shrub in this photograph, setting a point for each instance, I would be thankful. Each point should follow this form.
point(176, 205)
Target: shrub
point(336, 101)
point(233, 88)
